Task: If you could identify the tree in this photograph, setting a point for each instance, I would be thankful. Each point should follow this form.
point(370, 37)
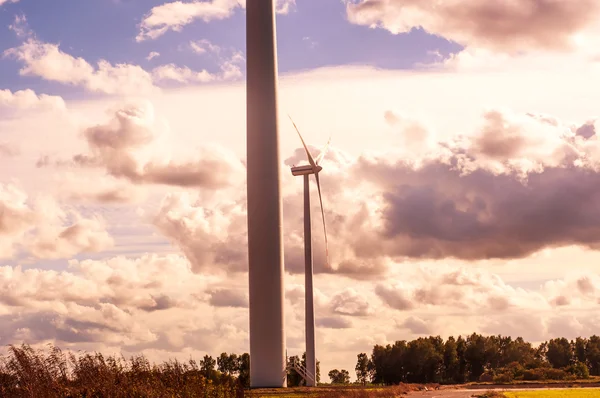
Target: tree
point(293, 377)
point(243, 369)
point(207, 366)
point(592, 354)
point(451, 362)
point(475, 355)
point(364, 368)
point(227, 363)
point(339, 376)
point(559, 353)
point(318, 376)
point(579, 349)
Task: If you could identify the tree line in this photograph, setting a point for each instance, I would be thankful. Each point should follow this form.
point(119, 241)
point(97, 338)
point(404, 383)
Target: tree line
point(478, 358)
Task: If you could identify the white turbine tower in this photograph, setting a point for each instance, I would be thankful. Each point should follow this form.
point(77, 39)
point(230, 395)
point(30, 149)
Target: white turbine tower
point(265, 247)
point(312, 168)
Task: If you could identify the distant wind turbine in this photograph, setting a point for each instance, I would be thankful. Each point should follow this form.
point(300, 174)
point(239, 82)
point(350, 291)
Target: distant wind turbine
point(313, 168)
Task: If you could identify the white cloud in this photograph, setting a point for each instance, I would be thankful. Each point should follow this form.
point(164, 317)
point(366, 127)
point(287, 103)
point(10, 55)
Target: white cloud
point(503, 25)
point(28, 99)
point(44, 230)
point(47, 61)
point(19, 26)
point(152, 55)
point(2, 2)
point(182, 74)
point(175, 15)
point(204, 46)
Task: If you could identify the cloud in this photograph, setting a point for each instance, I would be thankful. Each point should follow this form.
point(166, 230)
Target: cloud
point(502, 25)
point(20, 26)
point(417, 325)
point(115, 145)
point(517, 185)
point(152, 55)
point(394, 297)
point(229, 61)
point(148, 303)
point(8, 150)
point(334, 322)
point(28, 99)
point(45, 230)
point(204, 46)
point(47, 61)
point(175, 15)
point(84, 235)
point(2, 2)
point(182, 74)
point(350, 302)
point(228, 298)
point(212, 238)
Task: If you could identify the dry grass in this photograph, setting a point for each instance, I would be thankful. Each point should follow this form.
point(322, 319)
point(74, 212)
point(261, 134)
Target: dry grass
point(340, 391)
point(30, 373)
point(491, 394)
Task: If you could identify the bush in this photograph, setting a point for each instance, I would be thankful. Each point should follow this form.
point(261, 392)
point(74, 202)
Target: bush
point(505, 377)
point(534, 374)
point(26, 372)
point(555, 374)
point(579, 370)
point(486, 377)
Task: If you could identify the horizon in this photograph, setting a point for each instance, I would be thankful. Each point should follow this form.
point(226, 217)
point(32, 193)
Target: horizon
point(461, 187)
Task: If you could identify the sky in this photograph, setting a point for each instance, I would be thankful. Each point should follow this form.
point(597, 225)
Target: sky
point(461, 188)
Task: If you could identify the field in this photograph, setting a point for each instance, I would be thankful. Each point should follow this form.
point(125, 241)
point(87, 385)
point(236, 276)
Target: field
point(569, 393)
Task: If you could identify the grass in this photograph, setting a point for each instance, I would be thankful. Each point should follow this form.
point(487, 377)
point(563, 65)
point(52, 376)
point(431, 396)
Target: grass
point(337, 392)
point(569, 393)
point(29, 373)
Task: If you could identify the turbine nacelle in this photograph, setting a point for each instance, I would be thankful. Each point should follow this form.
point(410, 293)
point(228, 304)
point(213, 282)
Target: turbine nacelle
point(305, 170)
point(313, 168)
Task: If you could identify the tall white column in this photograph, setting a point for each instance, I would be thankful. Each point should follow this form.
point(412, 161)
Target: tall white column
point(309, 309)
point(265, 247)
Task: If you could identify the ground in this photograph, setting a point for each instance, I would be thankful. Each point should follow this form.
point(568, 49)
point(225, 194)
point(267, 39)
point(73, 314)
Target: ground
point(413, 391)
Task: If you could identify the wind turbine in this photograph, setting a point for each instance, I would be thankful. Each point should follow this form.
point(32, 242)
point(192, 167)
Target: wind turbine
point(312, 168)
point(265, 236)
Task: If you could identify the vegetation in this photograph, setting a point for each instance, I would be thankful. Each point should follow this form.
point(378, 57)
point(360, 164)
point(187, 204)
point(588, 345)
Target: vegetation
point(339, 376)
point(479, 358)
point(26, 372)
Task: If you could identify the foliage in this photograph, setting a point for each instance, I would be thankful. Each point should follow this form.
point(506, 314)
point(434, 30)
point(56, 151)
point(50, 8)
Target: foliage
point(26, 372)
point(339, 376)
point(499, 359)
point(364, 368)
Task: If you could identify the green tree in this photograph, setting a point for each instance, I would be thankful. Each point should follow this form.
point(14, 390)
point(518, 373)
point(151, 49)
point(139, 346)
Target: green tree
point(293, 377)
point(227, 364)
point(475, 355)
point(207, 367)
point(243, 369)
point(559, 353)
point(579, 349)
point(592, 354)
point(364, 368)
point(450, 359)
point(339, 376)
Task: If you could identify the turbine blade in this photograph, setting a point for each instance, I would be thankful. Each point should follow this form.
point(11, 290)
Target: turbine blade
point(310, 158)
point(323, 214)
point(323, 152)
